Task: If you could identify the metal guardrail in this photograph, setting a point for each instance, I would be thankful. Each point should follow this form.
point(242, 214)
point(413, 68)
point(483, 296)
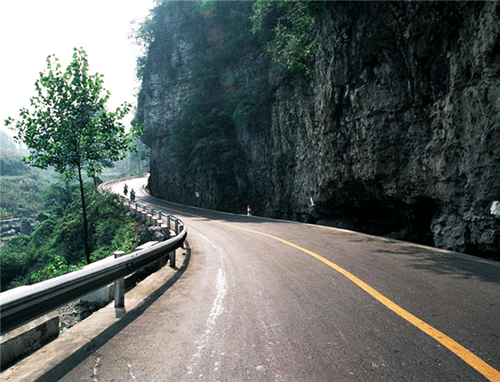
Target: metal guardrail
point(23, 304)
point(138, 206)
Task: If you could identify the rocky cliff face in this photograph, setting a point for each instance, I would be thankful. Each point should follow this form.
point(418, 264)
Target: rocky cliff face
point(398, 132)
point(165, 87)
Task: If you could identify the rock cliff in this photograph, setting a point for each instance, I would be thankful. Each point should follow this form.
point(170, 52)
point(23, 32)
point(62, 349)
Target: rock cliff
point(397, 132)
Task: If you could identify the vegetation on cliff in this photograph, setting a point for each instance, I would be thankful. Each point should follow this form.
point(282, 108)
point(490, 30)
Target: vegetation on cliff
point(218, 36)
point(203, 136)
point(290, 28)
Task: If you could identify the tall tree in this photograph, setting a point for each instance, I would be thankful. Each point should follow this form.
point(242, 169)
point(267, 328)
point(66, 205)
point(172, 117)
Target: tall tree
point(68, 127)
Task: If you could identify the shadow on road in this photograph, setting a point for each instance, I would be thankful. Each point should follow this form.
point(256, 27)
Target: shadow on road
point(65, 367)
point(436, 261)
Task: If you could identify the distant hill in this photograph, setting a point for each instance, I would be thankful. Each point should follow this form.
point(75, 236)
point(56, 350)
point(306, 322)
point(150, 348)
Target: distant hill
point(11, 164)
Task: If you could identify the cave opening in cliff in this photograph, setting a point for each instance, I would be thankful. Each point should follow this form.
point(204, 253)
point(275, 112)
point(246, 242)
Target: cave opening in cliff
point(366, 210)
point(475, 250)
point(399, 220)
point(423, 212)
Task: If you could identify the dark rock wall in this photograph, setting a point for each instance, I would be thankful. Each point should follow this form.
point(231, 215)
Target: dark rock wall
point(166, 85)
point(397, 134)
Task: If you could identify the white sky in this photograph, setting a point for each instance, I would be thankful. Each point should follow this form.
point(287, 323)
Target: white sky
point(30, 30)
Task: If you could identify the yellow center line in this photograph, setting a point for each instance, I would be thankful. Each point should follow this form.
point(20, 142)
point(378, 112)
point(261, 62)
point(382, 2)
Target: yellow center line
point(467, 356)
point(470, 358)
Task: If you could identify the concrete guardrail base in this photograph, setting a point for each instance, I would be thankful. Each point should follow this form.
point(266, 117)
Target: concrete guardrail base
point(24, 340)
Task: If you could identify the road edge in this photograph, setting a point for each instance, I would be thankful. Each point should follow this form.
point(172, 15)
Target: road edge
point(57, 358)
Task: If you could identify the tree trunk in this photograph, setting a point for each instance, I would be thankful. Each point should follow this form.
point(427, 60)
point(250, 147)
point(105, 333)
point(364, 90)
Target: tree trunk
point(85, 223)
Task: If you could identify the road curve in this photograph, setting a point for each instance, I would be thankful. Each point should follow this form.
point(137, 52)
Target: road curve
point(267, 300)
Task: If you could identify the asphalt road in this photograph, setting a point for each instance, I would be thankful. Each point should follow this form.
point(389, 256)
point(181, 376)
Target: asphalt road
point(265, 300)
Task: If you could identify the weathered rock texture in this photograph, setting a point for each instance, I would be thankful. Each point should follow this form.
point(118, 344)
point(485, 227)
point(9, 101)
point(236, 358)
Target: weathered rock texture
point(398, 133)
point(165, 87)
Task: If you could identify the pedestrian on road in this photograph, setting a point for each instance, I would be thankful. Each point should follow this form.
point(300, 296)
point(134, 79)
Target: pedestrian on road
point(132, 194)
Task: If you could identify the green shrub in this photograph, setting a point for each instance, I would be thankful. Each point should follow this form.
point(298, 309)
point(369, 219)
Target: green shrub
point(58, 267)
point(16, 261)
point(20, 195)
point(292, 38)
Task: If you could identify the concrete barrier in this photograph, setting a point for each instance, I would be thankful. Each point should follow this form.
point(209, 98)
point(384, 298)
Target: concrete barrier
point(24, 340)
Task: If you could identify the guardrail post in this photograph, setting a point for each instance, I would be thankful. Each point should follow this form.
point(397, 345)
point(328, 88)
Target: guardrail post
point(119, 292)
point(171, 257)
point(159, 215)
point(168, 221)
point(181, 227)
point(176, 230)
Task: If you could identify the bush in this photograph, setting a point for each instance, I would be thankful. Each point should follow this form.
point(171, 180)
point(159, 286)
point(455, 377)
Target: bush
point(292, 25)
point(58, 267)
point(21, 195)
point(15, 260)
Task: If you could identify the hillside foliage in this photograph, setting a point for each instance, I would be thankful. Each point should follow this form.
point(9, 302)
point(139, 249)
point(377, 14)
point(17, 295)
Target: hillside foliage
point(55, 245)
